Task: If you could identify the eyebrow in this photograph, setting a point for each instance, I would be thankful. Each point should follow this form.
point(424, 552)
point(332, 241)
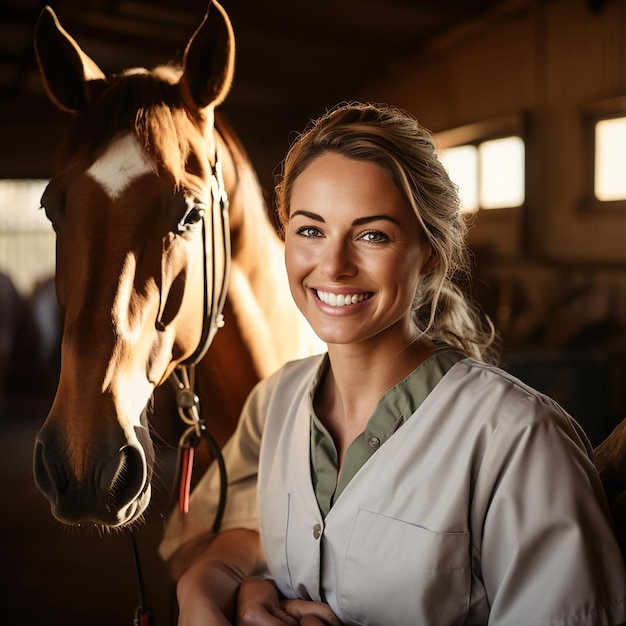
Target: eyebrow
point(357, 222)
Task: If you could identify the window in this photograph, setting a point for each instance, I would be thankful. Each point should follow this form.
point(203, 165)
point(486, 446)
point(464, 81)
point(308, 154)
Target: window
point(27, 241)
point(604, 124)
point(610, 159)
point(462, 165)
point(488, 165)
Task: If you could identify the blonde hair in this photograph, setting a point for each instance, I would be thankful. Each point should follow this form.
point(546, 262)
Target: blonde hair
point(394, 139)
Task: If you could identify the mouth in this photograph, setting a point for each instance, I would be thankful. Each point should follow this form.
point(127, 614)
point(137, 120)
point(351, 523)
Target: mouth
point(341, 300)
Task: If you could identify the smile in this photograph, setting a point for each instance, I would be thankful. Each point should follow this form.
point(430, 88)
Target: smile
point(333, 299)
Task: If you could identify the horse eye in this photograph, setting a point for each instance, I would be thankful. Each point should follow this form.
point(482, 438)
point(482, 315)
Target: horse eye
point(194, 215)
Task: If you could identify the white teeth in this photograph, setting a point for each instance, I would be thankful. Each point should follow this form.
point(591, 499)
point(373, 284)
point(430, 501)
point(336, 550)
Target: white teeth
point(341, 299)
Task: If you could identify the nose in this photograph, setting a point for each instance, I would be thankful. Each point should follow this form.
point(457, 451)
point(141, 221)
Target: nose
point(109, 489)
point(337, 259)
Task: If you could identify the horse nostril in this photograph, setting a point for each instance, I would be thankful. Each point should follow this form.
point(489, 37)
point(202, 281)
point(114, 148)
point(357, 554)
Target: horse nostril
point(42, 473)
point(129, 479)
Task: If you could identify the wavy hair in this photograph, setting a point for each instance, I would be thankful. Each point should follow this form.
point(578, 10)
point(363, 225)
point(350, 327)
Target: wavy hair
point(393, 139)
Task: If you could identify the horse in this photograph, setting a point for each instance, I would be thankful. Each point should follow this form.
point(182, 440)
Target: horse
point(162, 231)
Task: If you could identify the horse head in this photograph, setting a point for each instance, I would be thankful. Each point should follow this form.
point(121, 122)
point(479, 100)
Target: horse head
point(137, 205)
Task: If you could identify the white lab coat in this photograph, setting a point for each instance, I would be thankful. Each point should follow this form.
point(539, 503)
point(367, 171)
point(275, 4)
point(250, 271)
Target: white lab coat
point(483, 508)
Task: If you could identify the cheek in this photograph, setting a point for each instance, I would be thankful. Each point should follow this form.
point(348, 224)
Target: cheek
point(293, 271)
point(296, 261)
point(300, 263)
point(406, 275)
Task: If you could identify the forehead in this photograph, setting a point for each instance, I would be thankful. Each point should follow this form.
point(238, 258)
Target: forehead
point(123, 161)
point(336, 181)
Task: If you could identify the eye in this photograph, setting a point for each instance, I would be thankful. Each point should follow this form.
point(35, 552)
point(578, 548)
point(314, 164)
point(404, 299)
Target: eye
point(309, 232)
point(374, 236)
point(194, 214)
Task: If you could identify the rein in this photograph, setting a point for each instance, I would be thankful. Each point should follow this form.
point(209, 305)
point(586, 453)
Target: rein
point(183, 380)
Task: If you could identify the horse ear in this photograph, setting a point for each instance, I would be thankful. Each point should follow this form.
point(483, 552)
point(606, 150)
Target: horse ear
point(68, 74)
point(209, 61)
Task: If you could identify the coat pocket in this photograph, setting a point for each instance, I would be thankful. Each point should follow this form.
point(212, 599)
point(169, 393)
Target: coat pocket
point(401, 574)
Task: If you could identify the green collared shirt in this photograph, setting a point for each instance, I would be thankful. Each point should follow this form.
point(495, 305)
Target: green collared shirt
point(392, 411)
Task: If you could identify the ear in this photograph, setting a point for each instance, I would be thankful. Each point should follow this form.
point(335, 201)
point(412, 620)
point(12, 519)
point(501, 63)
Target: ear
point(68, 74)
point(209, 61)
point(430, 263)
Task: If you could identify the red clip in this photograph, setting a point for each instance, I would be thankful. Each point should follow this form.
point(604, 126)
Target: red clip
point(185, 478)
point(143, 617)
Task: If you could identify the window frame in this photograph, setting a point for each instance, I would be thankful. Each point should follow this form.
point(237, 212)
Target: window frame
point(479, 132)
point(593, 113)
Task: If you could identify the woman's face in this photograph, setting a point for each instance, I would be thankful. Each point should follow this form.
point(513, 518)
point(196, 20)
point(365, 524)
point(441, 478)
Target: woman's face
point(354, 251)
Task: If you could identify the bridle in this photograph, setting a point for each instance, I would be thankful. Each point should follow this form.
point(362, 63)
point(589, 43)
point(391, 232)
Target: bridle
point(183, 377)
point(214, 320)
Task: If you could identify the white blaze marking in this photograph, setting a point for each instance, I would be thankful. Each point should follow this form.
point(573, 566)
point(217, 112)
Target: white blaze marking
point(124, 161)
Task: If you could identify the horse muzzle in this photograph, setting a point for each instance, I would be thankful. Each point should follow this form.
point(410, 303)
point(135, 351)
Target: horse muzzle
point(107, 483)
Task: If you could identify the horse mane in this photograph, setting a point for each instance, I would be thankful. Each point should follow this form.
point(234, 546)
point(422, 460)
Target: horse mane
point(147, 103)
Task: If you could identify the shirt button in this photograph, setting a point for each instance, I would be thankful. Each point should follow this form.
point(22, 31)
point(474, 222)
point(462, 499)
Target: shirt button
point(374, 442)
point(317, 531)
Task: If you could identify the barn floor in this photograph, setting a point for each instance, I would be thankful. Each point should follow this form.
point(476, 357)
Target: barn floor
point(52, 574)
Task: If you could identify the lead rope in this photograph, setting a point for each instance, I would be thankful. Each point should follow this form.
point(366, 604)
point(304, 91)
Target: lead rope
point(189, 412)
point(143, 614)
point(188, 403)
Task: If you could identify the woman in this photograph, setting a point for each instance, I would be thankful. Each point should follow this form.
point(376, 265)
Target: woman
point(402, 479)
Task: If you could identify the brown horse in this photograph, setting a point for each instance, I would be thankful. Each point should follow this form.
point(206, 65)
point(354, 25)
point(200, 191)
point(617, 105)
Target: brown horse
point(142, 263)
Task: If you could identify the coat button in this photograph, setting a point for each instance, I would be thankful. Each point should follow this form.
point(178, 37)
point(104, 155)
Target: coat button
point(374, 442)
point(317, 531)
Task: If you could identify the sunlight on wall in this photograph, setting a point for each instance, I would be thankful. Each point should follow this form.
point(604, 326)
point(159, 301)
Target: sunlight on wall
point(27, 241)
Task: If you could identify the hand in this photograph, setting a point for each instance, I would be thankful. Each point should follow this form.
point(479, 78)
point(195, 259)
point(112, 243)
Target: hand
point(310, 613)
point(207, 590)
point(259, 605)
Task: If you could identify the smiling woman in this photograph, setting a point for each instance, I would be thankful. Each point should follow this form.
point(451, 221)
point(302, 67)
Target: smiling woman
point(352, 238)
point(400, 477)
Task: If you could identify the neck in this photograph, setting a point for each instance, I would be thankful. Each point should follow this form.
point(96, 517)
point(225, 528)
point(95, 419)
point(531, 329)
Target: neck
point(357, 379)
point(379, 363)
